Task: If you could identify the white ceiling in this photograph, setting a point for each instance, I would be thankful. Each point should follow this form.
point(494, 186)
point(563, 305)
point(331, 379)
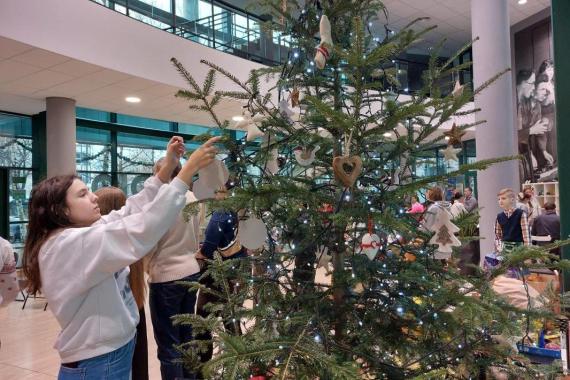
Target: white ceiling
point(452, 17)
point(28, 75)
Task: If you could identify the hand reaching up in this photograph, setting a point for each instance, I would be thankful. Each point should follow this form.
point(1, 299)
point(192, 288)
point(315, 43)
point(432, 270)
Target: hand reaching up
point(175, 149)
point(200, 158)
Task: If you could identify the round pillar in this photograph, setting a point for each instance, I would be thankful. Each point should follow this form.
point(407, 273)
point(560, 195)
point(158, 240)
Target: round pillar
point(497, 137)
point(60, 136)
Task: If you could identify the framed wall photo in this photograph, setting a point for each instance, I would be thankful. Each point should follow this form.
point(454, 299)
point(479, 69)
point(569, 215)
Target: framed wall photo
point(536, 117)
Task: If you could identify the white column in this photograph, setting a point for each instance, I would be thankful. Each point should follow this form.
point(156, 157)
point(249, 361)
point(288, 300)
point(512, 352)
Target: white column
point(495, 138)
point(60, 136)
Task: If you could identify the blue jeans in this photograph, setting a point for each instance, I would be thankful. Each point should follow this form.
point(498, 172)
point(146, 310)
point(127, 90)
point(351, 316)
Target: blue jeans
point(167, 299)
point(115, 365)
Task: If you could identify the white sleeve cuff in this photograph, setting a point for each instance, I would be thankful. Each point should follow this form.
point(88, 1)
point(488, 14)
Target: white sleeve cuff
point(179, 185)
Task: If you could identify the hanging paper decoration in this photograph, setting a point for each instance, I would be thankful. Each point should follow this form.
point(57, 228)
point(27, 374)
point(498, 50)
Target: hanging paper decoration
point(444, 234)
point(305, 156)
point(370, 244)
point(323, 257)
point(457, 89)
point(215, 175)
point(323, 49)
point(252, 233)
point(211, 180)
point(285, 111)
point(450, 153)
point(251, 125)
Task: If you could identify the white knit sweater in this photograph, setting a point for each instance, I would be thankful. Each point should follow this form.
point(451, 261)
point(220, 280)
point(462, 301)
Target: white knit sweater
point(173, 258)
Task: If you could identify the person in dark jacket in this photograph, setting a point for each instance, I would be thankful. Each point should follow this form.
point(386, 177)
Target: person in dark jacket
point(547, 224)
point(220, 235)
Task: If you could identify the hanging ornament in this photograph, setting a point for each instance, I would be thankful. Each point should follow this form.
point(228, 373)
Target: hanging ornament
point(455, 135)
point(444, 234)
point(305, 156)
point(284, 10)
point(215, 175)
point(326, 44)
point(324, 258)
point(450, 153)
point(272, 163)
point(457, 89)
point(251, 125)
point(324, 133)
point(347, 169)
point(252, 233)
point(285, 111)
point(211, 180)
point(295, 97)
point(370, 244)
point(253, 130)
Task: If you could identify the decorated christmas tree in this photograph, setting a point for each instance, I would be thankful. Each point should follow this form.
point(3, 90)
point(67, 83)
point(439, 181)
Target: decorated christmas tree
point(340, 282)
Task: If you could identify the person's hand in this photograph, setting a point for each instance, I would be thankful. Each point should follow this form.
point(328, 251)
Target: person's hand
point(200, 158)
point(175, 149)
point(548, 157)
point(204, 155)
point(201, 259)
point(539, 128)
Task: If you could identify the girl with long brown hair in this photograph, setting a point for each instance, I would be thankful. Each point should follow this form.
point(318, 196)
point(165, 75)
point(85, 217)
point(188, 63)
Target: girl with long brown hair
point(76, 257)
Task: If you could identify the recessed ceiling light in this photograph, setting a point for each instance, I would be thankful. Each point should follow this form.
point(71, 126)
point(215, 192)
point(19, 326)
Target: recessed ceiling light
point(522, 2)
point(133, 99)
point(237, 118)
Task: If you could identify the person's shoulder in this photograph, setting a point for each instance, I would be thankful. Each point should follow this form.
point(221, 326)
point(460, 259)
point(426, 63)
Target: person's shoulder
point(4, 243)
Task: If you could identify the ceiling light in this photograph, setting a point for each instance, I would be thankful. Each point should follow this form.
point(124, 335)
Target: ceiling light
point(446, 138)
point(387, 134)
point(237, 118)
point(133, 99)
point(521, 2)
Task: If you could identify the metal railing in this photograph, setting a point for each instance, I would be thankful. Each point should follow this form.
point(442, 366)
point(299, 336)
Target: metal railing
point(231, 30)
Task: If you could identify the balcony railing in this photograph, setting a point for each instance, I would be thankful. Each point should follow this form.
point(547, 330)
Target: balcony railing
point(222, 26)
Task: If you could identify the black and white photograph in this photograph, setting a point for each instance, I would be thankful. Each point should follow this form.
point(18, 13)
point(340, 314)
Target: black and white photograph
point(535, 103)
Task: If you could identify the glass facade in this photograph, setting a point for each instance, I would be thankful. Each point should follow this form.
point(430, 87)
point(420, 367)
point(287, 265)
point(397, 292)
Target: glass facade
point(16, 158)
point(120, 150)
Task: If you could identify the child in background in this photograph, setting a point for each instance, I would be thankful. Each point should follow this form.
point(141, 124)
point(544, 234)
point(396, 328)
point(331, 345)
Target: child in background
point(113, 199)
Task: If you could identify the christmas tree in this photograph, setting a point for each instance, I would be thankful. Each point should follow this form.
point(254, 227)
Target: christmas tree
point(333, 147)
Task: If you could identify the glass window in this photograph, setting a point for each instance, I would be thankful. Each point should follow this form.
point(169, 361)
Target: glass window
point(93, 157)
point(187, 9)
point(136, 156)
point(16, 155)
point(159, 4)
point(89, 114)
point(143, 122)
point(193, 129)
point(204, 9)
point(148, 20)
point(93, 152)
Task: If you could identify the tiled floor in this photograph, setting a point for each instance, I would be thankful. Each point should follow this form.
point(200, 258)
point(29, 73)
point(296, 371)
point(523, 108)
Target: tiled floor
point(27, 337)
